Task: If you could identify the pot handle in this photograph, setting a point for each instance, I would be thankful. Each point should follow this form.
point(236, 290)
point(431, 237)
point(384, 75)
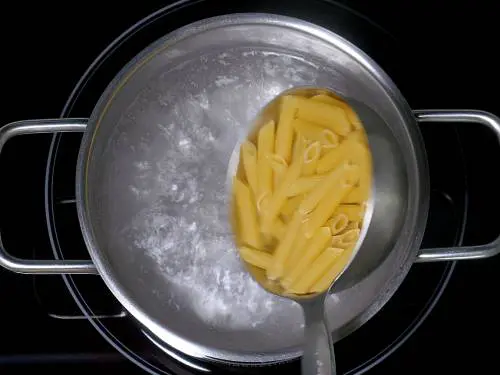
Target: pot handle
point(31, 266)
point(460, 252)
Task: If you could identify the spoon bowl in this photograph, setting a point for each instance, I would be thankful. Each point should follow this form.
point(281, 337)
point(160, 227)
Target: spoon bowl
point(318, 355)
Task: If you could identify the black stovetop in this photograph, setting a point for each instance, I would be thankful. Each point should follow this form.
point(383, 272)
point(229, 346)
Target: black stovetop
point(46, 49)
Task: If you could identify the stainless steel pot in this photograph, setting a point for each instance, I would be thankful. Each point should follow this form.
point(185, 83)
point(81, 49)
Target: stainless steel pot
point(152, 184)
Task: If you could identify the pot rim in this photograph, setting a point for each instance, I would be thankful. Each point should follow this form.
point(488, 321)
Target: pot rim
point(416, 223)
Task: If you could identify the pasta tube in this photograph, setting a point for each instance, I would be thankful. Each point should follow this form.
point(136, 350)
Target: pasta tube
point(284, 133)
point(323, 114)
point(275, 270)
point(351, 115)
point(249, 159)
point(315, 246)
point(279, 167)
point(256, 258)
point(308, 130)
point(359, 194)
point(326, 208)
point(329, 276)
point(346, 239)
point(318, 267)
point(265, 147)
point(291, 205)
point(303, 185)
point(338, 223)
point(354, 212)
point(247, 215)
point(279, 197)
point(311, 157)
point(343, 175)
point(350, 149)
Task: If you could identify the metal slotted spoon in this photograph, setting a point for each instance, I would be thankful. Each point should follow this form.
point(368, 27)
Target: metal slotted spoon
point(318, 354)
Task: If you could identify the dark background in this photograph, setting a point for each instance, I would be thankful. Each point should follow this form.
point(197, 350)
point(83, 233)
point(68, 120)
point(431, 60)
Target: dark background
point(45, 47)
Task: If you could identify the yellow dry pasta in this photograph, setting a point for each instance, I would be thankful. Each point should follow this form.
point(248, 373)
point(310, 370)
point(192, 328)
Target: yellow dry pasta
point(315, 246)
point(298, 147)
point(314, 272)
point(301, 192)
point(277, 163)
point(248, 153)
point(346, 239)
point(284, 133)
point(311, 157)
point(263, 201)
point(279, 229)
point(351, 225)
point(298, 248)
point(279, 167)
point(291, 205)
point(323, 114)
point(265, 147)
point(332, 272)
point(338, 223)
point(279, 197)
point(327, 206)
point(351, 115)
point(327, 186)
point(246, 210)
point(283, 250)
point(303, 185)
point(349, 149)
point(257, 258)
point(359, 194)
point(326, 137)
point(354, 212)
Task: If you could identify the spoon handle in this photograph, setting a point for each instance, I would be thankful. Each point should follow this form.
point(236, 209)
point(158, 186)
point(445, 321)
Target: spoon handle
point(318, 357)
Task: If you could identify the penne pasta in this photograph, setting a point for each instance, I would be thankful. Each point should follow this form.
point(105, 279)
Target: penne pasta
point(303, 185)
point(275, 270)
point(279, 167)
point(329, 139)
point(280, 195)
point(314, 272)
point(326, 208)
point(359, 194)
point(300, 194)
point(351, 225)
point(311, 157)
point(256, 258)
point(284, 133)
point(323, 114)
point(279, 229)
point(354, 212)
point(346, 239)
point(299, 147)
point(332, 272)
point(351, 115)
point(344, 174)
point(315, 246)
point(308, 130)
point(338, 223)
point(265, 147)
point(249, 159)
point(291, 205)
point(350, 149)
point(246, 210)
point(298, 248)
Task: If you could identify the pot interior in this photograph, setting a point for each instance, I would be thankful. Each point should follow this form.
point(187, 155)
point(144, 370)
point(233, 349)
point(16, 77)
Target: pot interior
point(153, 184)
